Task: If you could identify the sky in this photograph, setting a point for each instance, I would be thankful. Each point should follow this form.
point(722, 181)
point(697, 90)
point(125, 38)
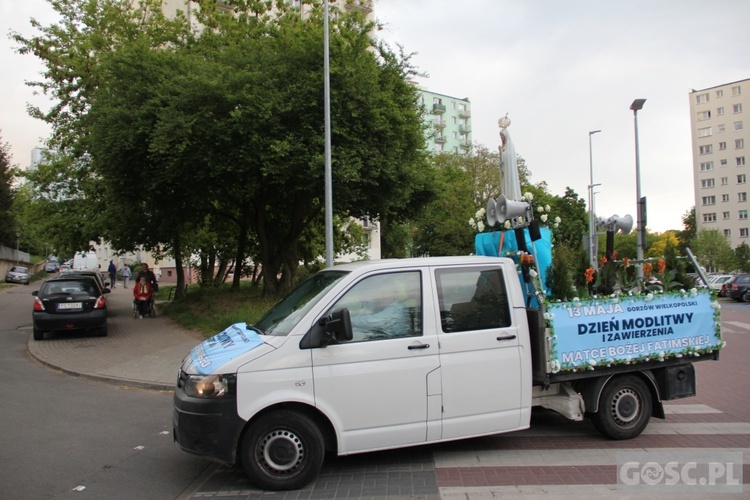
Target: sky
point(559, 69)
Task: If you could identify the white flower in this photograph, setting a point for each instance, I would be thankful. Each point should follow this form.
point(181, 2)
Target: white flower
point(528, 196)
point(540, 208)
point(592, 362)
point(507, 224)
point(650, 296)
point(480, 213)
point(549, 316)
point(558, 220)
point(546, 207)
point(715, 305)
point(554, 366)
point(556, 225)
point(532, 273)
point(576, 299)
point(520, 220)
point(544, 218)
point(480, 226)
point(472, 223)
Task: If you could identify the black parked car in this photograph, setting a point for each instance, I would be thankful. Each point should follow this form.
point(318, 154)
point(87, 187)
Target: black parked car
point(740, 285)
point(70, 303)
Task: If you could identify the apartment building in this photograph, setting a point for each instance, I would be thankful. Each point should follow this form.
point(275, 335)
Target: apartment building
point(188, 7)
point(720, 157)
point(448, 121)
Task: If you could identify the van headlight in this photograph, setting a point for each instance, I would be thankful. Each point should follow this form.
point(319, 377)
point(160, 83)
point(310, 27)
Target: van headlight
point(210, 386)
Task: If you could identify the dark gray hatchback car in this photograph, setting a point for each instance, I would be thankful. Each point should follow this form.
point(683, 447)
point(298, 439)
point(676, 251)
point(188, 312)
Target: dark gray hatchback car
point(70, 303)
point(740, 287)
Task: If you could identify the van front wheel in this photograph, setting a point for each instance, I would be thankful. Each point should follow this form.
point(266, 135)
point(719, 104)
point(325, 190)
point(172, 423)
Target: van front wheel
point(282, 450)
point(624, 408)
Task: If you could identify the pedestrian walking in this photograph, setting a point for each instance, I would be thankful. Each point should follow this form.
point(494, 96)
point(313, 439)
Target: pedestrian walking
point(112, 270)
point(125, 273)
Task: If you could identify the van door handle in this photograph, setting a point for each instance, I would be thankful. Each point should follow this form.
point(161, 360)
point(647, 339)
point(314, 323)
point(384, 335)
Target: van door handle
point(508, 337)
point(420, 346)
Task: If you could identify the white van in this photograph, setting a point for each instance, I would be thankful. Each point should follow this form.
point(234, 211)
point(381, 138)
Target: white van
point(385, 354)
point(85, 260)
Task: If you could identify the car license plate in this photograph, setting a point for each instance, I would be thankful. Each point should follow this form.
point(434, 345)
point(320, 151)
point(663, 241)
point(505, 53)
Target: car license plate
point(70, 305)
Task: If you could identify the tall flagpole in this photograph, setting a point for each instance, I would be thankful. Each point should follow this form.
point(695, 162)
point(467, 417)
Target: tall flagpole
point(327, 106)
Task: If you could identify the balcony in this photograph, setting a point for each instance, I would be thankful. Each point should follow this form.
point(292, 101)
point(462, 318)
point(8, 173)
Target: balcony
point(440, 139)
point(464, 129)
point(361, 5)
point(465, 144)
point(438, 109)
point(464, 113)
point(439, 123)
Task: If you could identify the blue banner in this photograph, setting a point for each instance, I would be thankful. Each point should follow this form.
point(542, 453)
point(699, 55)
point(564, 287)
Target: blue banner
point(632, 329)
point(223, 347)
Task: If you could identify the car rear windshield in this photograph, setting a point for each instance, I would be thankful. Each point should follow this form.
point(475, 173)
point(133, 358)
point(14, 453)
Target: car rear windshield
point(70, 287)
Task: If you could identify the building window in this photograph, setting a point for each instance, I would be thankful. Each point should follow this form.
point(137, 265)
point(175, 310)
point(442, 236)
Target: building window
point(727, 233)
point(720, 111)
point(743, 214)
point(701, 98)
point(740, 161)
point(709, 217)
point(737, 108)
point(706, 166)
point(741, 179)
point(721, 128)
point(704, 132)
point(725, 198)
point(738, 126)
point(736, 91)
point(743, 232)
point(720, 93)
point(709, 200)
point(741, 197)
point(723, 163)
point(704, 115)
point(725, 215)
point(739, 143)
point(722, 146)
point(707, 183)
point(724, 181)
point(705, 150)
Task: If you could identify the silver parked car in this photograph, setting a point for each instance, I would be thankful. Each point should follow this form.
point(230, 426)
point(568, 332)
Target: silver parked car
point(18, 274)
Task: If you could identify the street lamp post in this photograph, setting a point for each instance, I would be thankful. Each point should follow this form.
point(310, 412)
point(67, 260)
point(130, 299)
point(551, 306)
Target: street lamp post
point(592, 222)
point(636, 106)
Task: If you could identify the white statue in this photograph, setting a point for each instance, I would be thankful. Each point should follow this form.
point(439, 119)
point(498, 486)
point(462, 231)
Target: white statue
point(510, 183)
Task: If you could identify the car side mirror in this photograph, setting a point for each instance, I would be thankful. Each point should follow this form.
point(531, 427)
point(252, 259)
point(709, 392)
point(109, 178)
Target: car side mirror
point(334, 328)
point(35, 293)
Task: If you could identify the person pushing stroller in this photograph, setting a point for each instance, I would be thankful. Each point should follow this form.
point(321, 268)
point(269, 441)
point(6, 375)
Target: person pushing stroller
point(143, 294)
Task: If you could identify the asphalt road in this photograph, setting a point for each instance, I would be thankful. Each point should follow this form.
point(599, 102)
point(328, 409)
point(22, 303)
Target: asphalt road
point(67, 437)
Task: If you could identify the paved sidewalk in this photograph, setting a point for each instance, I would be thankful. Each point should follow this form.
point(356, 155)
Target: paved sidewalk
point(143, 353)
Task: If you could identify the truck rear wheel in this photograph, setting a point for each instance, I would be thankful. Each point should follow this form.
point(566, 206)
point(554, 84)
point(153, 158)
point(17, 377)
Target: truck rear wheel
point(624, 408)
point(282, 450)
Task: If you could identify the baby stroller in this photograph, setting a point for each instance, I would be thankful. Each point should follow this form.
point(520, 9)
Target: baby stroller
point(149, 310)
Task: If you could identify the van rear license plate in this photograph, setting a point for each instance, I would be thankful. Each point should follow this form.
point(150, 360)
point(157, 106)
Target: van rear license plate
point(70, 305)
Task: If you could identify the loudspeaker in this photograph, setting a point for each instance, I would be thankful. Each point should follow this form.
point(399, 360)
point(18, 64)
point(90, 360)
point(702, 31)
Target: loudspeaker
point(491, 212)
point(509, 210)
point(616, 223)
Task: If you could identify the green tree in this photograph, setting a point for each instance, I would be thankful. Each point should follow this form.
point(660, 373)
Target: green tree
point(689, 231)
point(742, 257)
point(7, 218)
point(713, 251)
point(443, 227)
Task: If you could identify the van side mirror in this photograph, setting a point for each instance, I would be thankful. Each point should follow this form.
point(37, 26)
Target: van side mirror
point(334, 328)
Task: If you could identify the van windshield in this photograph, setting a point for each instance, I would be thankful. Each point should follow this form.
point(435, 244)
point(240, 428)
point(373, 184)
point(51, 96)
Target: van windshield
point(282, 317)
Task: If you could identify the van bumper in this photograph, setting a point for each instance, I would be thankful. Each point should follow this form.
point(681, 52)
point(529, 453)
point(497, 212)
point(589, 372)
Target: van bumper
point(207, 427)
